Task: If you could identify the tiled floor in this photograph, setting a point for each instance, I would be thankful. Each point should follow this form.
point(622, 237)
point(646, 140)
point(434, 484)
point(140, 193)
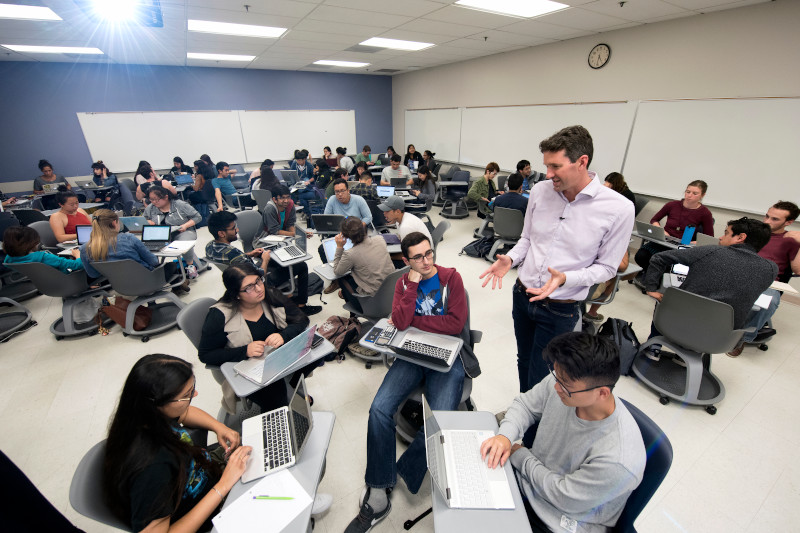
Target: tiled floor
point(735, 471)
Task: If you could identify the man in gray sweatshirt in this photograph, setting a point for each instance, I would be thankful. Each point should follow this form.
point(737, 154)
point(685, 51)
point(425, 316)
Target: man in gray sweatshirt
point(588, 454)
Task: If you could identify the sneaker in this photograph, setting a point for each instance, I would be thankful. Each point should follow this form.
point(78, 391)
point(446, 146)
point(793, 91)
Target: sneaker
point(191, 271)
point(311, 309)
point(322, 502)
point(652, 354)
point(594, 318)
point(367, 518)
point(764, 334)
point(736, 352)
point(334, 286)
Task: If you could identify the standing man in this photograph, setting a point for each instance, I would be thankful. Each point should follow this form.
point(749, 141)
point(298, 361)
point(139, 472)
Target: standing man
point(581, 233)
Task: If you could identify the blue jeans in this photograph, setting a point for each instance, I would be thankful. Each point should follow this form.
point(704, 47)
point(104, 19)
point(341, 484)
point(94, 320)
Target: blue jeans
point(442, 392)
point(303, 197)
point(757, 319)
point(535, 325)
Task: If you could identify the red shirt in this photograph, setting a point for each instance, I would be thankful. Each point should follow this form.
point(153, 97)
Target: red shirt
point(781, 250)
point(679, 218)
point(78, 219)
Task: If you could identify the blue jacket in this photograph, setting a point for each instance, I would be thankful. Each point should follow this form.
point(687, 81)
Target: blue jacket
point(128, 247)
point(64, 264)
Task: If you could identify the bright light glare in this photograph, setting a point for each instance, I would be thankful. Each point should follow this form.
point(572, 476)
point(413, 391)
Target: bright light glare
point(219, 57)
point(396, 44)
point(351, 64)
point(514, 8)
point(10, 11)
point(116, 10)
point(53, 49)
point(228, 28)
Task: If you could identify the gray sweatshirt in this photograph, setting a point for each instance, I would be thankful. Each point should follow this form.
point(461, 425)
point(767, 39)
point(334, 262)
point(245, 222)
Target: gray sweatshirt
point(578, 469)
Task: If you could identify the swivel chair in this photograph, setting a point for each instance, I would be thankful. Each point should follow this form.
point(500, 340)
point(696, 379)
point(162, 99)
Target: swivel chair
point(508, 225)
point(438, 234)
point(27, 217)
point(444, 172)
point(16, 320)
point(46, 235)
point(262, 198)
point(486, 228)
point(455, 204)
point(249, 223)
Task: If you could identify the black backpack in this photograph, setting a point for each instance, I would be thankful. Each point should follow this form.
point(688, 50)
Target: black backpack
point(478, 248)
point(625, 338)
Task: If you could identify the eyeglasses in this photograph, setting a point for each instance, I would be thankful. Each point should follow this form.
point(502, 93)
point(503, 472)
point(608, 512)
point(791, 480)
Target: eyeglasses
point(233, 228)
point(340, 192)
point(250, 289)
point(570, 393)
point(420, 257)
point(191, 394)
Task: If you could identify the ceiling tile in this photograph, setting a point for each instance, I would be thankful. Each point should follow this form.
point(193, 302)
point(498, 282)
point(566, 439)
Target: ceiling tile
point(537, 28)
point(410, 8)
point(418, 37)
point(326, 38)
point(355, 30)
point(439, 28)
point(638, 10)
point(722, 5)
point(216, 64)
point(698, 5)
point(576, 17)
point(237, 17)
point(331, 14)
point(509, 38)
point(470, 17)
point(284, 8)
point(682, 14)
point(479, 45)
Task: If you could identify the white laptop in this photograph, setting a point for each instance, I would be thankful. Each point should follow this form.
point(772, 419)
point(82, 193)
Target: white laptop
point(288, 253)
point(385, 191)
point(274, 363)
point(277, 437)
point(457, 469)
point(429, 349)
point(134, 224)
point(329, 245)
point(705, 240)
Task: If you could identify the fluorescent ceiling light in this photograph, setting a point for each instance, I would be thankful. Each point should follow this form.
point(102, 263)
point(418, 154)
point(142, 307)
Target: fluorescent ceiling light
point(53, 49)
point(514, 8)
point(228, 28)
point(10, 11)
point(219, 57)
point(396, 44)
point(351, 64)
point(116, 10)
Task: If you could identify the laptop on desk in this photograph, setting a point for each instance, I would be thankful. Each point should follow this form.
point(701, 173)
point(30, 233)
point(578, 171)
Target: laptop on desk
point(184, 179)
point(155, 238)
point(458, 472)
point(88, 184)
point(655, 233)
point(134, 224)
point(290, 176)
point(436, 350)
point(84, 231)
point(277, 437)
point(706, 240)
point(398, 182)
point(385, 191)
point(267, 368)
point(327, 223)
point(287, 253)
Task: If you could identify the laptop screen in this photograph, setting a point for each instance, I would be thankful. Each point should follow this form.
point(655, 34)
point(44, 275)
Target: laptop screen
point(155, 233)
point(433, 448)
point(84, 232)
point(301, 416)
point(330, 247)
point(385, 191)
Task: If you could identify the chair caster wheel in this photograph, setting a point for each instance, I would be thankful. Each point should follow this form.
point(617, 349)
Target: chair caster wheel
point(711, 410)
point(664, 400)
point(763, 347)
point(368, 365)
point(59, 337)
point(145, 338)
point(124, 334)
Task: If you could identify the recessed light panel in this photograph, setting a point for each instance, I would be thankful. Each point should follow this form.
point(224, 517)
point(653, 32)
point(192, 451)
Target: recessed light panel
point(219, 57)
point(228, 28)
point(514, 8)
point(396, 44)
point(53, 49)
point(350, 64)
point(11, 11)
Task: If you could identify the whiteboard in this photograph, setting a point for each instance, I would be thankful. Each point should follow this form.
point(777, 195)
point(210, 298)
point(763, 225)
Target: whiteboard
point(507, 134)
point(277, 134)
point(121, 140)
point(742, 148)
point(437, 130)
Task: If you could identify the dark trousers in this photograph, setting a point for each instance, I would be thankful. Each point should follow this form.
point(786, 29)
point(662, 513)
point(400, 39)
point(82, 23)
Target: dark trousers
point(348, 286)
point(279, 275)
point(647, 250)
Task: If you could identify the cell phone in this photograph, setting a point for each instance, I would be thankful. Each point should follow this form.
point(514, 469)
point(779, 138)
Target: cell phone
point(317, 340)
point(373, 334)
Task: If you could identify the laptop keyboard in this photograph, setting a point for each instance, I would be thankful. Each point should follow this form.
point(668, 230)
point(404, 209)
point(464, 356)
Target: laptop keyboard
point(673, 240)
point(469, 469)
point(434, 352)
point(154, 246)
point(277, 449)
point(289, 252)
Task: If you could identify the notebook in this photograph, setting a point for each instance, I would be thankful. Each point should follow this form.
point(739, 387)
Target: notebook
point(277, 437)
point(268, 368)
point(459, 473)
point(155, 238)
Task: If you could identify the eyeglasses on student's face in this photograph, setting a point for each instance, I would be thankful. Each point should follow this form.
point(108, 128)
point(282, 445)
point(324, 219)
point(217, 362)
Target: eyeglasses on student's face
point(189, 397)
point(568, 392)
point(419, 257)
point(250, 289)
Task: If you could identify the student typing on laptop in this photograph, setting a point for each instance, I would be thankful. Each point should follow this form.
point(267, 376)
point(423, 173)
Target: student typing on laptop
point(588, 454)
point(431, 298)
point(166, 210)
point(69, 215)
point(21, 245)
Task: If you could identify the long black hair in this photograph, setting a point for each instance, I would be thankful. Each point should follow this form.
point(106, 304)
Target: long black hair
point(232, 279)
point(139, 431)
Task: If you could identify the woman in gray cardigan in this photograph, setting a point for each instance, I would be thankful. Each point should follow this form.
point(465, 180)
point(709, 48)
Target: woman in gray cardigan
point(165, 210)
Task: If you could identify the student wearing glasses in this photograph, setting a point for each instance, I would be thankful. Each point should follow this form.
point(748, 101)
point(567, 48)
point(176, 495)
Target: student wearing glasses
point(588, 453)
point(155, 478)
point(432, 298)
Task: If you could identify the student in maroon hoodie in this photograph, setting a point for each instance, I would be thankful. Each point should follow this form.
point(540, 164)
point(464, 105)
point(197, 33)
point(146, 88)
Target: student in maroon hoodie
point(431, 298)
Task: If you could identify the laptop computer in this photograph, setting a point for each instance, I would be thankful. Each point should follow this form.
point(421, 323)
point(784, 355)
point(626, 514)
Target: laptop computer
point(84, 231)
point(267, 368)
point(287, 253)
point(277, 437)
point(706, 240)
point(327, 223)
point(656, 233)
point(184, 179)
point(458, 472)
point(385, 191)
point(134, 224)
point(398, 182)
point(88, 184)
point(155, 238)
point(51, 187)
point(435, 350)
point(391, 238)
point(329, 246)
point(290, 176)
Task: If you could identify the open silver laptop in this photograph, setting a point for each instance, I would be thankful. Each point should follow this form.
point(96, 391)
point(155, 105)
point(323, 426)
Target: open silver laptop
point(88, 184)
point(288, 252)
point(457, 469)
point(655, 233)
point(438, 351)
point(134, 224)
point(277, 437)
point(385, 191)
point(269, 367)
point(705, 240)
point(329, 246)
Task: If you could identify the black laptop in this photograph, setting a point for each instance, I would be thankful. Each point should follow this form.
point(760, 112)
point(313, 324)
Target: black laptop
point(327, 223)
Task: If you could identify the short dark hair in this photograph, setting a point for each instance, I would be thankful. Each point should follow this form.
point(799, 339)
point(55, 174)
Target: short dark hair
point(366, 148)
point(515, 181)
point(160, 191)
point(522, 164)
point(492, 167)
point(268, 163)
point(574, 140)
point(361, 164)
point(412, 239)
point(700, 184)
point(617, 182)
point(280, 190)
point(341, 150)
point(758, 233)
point(792, 208)
point(322, 165)
point(593, 359)
point(64, 195)
point(219, 221)
point(221, 165)
point(396, 158)
point(341, 171)
point(353, 228)
point(207, 159)
point(339, 181)
point(20, 240)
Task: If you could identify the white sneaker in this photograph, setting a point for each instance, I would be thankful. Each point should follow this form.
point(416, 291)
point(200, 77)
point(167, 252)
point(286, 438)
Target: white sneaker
point(191, 272)
point(322, 502)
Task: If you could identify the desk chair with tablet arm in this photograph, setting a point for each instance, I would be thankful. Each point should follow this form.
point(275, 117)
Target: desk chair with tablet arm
point(508, 225)
point(486, 228)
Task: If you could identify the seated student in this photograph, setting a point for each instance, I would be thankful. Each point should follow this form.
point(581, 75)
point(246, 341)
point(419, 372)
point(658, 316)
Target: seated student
point(103, 177)
point(328, 157)
point(513, 199)
point(394, 209)
point(484, 189)
point(142, 172)
point(428, 159)
point(344, 203)
point(343, 160)
point(339, 173)
point(412, 157)
point(588, 455)
point(151, 179)
point(155, 478)
point(523, 170)
point(21, 245)
point(424, 185)
point(680, 214)
point(365, 156)
point(395, 170)
point(389, 152)
point(432, 298)
point(300, 164)
point(732, 273)
point(223, 186)
point(106, 243)
point(616, 182)
point(783, 249)
point(367, 261)
point(63, 221)
point(52, 180)
point(604, 289)
point(223, 229)
point(178, 167)
point(203, 188)
point(165, 210)
point(255, 176)
point(365, 188)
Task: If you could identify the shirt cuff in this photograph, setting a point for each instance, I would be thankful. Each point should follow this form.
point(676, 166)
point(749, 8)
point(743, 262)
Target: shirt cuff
point(572, 279)
point(519, 457)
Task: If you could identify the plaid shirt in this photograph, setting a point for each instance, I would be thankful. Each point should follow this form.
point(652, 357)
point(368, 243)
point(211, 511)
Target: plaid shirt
point(225, 253)
point(367, 192)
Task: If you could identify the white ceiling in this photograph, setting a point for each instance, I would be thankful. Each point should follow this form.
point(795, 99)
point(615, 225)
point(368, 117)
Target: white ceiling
point(326, 29)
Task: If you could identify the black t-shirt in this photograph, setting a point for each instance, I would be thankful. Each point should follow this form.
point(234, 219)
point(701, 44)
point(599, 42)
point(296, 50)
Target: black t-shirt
point(213, 349)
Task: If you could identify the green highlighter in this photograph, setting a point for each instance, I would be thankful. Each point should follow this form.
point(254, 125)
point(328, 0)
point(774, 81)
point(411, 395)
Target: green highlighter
point(273, 498)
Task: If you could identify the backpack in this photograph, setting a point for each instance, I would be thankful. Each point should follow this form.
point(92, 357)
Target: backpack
point(624, 337)
point(478, 248)
point(315, 284)
point(340, 331)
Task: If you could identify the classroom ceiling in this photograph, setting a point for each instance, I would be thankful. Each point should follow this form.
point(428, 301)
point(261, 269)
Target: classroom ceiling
point(332, 30)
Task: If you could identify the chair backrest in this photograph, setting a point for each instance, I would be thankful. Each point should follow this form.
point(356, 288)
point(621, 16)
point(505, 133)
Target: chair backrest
point(696, 322)
point(483, 208)
point(45, 232)
point(262, 198)
point(129, 184)
point(86, 490)
point(639, 203)
point(508, 223)
point(249, 223)
point(460, 175)
point(241, 180)
point(27, 217)
point(378, 218)
point(379, 305)
point(52, 282)
point(131, 278)
point(191, 318)
point(659, 460)
point(438, 233)
point(501, 182)
point(446, 171)
point(238, 168)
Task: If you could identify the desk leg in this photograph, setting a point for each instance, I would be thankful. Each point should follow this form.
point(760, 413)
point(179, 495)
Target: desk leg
point(291, 280)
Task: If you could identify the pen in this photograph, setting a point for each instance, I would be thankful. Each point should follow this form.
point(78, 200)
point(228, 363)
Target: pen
point(273, 498)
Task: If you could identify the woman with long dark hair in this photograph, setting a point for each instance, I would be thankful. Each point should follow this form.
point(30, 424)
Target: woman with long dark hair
point(412, 156)
point(616, 182)
point(166, 210)
point(154, 477)
point(64, 221)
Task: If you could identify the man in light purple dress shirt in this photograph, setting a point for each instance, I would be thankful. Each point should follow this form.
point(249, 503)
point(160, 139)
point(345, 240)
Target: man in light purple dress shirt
point(575, 234)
